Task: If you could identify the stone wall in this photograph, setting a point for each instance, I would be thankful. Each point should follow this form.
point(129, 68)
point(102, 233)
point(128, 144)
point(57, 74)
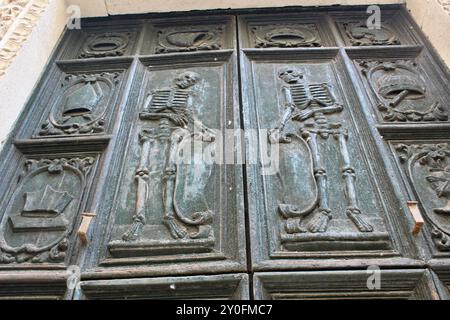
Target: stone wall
point(29, 31)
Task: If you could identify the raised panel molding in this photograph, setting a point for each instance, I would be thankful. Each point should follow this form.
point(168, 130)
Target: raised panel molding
point(402, 93)
point(355, 32)
point(320, 203)
point(83, 105)
point(33, 285)
point(190, 35)
point(328, 285)
point(98, 43)
point(284, 31)
point(405, 92)
point(230, 286)
point(160, 220)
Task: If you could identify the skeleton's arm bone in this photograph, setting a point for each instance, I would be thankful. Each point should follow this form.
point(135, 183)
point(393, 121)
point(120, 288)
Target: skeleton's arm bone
point(148, 101)
point(289, 107)
point(330, 92)
point(288, 100)
point(333, 109)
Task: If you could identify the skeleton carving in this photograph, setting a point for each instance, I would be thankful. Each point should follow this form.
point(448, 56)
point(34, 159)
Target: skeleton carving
point(172, 107)
point(310, 103)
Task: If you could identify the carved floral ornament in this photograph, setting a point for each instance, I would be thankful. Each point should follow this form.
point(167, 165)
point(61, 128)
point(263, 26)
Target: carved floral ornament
point(401, 92)
point(427, 166)
point(17, 20)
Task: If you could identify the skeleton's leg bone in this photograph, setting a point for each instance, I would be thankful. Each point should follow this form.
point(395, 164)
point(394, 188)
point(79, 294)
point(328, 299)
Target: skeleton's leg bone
point(141, 194)
point(320, 222)
point(349, 176)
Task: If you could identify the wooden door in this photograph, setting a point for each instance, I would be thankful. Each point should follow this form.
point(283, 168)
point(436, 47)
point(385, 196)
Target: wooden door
point(241, 155)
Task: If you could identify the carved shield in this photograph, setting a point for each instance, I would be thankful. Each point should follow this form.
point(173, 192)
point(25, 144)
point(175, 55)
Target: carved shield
point(42, 211)
point(431, 184)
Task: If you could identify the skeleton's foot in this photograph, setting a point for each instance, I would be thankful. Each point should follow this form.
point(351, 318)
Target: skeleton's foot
point(135, 229)
point(177, 231)
point(320, 222)
point(293, 226)
point(355, 215)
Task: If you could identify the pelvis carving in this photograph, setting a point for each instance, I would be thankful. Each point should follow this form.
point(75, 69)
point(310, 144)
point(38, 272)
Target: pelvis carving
point(83, 106)
point(310, 104)
point(42, 210)
point(427, 166)
point(164, 152)
point(401, 92)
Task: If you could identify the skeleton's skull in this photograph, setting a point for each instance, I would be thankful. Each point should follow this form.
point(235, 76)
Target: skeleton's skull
point(187, 79)
point(289, 75)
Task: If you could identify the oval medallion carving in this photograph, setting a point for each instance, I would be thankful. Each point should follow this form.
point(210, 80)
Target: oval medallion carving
point(83, 106)
point(105, 45)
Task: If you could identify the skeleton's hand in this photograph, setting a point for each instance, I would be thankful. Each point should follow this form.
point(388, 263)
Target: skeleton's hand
point(303, 115)
point(179, 120)
point(289, 105)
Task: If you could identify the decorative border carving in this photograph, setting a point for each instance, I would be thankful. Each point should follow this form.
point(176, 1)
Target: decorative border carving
point(12, 39)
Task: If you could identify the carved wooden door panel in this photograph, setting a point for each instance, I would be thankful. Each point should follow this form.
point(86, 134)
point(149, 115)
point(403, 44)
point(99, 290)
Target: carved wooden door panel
point(134, 136)
point(327, 96)
point(172, 207)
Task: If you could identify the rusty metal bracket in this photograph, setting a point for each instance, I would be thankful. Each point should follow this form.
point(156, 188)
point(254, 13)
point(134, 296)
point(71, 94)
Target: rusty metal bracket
point(84, 227)
point(417, 216)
